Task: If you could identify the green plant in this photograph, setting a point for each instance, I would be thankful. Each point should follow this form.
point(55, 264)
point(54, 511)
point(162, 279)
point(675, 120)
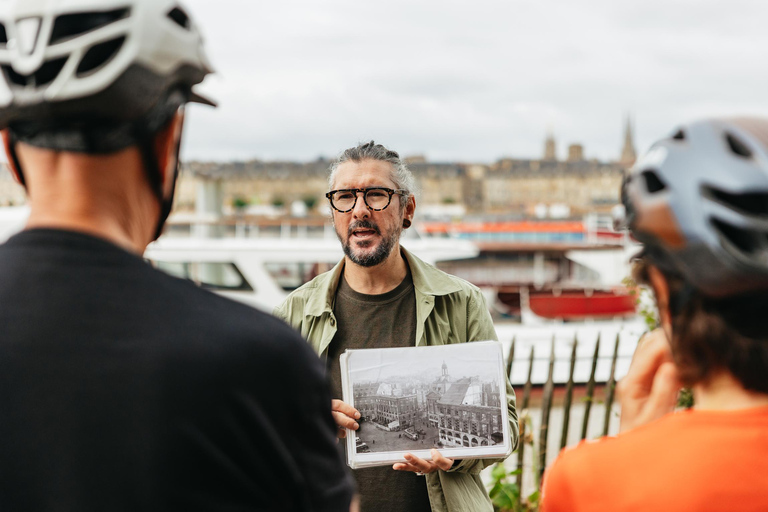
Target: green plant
point(505, 493)
point(310, 201)
point(240, 202)
point(646, 304)
point(685, 398)
point(278, 202)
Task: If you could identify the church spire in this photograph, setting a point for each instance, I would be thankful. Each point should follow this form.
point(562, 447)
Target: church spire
point(628, 155)
point(550, 150)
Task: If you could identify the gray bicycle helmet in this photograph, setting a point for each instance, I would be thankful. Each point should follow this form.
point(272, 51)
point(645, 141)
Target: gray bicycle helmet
point(698, 200)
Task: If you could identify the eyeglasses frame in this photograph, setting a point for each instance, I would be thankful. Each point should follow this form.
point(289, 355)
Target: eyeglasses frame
point(356, 191)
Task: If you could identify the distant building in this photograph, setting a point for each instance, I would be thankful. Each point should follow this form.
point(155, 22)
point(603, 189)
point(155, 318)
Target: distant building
point(628, 155)
point(550, 149)
point(364, 395)
point(466, 419)
point(575, 153)
point(433, 416)
point(395, 412)
point(507, 187)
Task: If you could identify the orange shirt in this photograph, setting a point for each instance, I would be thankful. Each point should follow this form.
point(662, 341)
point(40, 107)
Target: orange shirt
point(688, 461)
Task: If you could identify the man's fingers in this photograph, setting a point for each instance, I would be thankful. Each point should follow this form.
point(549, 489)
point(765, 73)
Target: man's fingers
point(443, 463)
point(344, 421)
point(418, 465)
point(345, 408)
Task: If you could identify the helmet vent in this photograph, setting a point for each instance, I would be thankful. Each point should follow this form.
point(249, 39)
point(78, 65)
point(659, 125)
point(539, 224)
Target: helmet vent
point(68, 26)
point(43, 76)
point(652, 182)
point(179, 17)
point(679, 135)
point(745, 241)
point(752, 203)
point(3, 35)
point(737, 146)
point(98, 55)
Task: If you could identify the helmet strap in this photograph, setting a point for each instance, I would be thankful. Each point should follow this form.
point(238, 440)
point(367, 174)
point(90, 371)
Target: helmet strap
point(146, 144)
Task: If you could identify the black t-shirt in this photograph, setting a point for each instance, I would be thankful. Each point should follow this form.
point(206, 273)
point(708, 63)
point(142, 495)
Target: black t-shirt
point(122, 388)
point(378, 321)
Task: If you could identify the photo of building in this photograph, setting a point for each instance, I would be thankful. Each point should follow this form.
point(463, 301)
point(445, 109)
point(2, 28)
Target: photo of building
point(419, 398)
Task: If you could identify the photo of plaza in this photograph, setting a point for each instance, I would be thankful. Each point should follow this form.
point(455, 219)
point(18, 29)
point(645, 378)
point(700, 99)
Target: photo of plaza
point(418, 398)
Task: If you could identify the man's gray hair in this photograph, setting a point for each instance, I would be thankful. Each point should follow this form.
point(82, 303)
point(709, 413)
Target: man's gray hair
point(401, 175)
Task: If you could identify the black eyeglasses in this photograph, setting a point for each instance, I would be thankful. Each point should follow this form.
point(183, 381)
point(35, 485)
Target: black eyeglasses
point(376, 198)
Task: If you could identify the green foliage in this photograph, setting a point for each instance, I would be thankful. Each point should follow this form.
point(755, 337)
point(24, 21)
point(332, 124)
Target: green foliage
point(240, 202)
point(278, 202)
point(310, 201)
point(449, 200)
point(504, 492)
point(685, 398)
point(646, 304)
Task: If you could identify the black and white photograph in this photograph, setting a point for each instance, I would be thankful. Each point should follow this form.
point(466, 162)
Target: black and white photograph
point(413, 399)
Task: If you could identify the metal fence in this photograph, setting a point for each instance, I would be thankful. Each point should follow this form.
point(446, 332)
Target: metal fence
point(543, 366)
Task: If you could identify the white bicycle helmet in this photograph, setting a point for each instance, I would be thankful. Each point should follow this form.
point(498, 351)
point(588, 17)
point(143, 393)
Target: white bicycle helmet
point(84, 61)
point(97, 76)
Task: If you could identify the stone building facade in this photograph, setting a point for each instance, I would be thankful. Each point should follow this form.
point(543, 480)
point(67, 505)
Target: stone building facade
point(466, 418)
point(400, 411)
point(505, 187)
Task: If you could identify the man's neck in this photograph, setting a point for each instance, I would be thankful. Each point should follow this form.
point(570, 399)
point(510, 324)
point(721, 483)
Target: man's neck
point(106, 228)
point(378, 279)
point(723, 392)
point(105, 196)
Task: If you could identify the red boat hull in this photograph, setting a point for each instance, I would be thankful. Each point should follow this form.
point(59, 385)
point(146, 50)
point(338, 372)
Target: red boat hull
point(581, 305)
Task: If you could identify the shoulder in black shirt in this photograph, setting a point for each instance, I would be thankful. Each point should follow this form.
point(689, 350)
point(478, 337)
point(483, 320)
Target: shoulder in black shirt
point(122, 388)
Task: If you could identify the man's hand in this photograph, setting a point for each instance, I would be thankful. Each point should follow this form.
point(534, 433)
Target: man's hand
point(344, 415)
point(421, 466)
point(649, 390)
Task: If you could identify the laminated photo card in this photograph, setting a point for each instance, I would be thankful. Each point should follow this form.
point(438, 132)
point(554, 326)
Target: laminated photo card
point(413, 399)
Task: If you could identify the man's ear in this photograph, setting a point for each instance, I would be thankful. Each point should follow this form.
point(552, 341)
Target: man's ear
point(11, 156)
point(661, 291)
point(408, 212)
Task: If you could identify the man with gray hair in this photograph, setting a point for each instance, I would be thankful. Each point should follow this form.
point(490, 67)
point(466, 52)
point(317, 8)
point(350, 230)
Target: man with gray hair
point(381, 295)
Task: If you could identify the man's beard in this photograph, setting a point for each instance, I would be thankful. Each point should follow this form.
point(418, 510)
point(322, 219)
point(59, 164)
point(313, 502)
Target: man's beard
point(379, 255)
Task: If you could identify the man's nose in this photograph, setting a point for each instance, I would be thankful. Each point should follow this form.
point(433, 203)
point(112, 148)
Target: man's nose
point(361, 209)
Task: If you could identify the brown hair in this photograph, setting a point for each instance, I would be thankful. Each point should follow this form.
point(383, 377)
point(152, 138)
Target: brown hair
point(711, 334)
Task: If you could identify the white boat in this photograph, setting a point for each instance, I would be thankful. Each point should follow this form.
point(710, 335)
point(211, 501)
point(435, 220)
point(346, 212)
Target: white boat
point(262, 271)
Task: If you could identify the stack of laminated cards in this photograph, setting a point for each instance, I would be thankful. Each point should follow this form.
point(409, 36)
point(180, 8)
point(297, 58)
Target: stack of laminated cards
point(413, 399)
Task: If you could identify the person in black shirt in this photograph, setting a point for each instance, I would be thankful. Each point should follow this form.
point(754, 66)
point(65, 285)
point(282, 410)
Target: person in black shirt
point(122, 388)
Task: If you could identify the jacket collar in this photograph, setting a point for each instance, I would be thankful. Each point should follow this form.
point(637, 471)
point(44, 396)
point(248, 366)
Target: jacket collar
point(427, 280)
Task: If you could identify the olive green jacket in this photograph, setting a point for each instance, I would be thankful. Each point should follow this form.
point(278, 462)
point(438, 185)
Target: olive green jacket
point(448, 310)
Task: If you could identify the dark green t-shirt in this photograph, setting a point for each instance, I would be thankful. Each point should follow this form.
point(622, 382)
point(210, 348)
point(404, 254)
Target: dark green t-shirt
point(378, 321)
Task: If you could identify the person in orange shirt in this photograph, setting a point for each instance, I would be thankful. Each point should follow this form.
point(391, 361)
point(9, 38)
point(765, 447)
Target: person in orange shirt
point(698, 201)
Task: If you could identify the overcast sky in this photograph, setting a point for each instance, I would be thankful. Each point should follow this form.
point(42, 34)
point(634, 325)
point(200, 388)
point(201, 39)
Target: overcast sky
point(469, 81)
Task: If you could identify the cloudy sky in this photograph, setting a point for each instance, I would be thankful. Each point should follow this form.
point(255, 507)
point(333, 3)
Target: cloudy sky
point(469, 81)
